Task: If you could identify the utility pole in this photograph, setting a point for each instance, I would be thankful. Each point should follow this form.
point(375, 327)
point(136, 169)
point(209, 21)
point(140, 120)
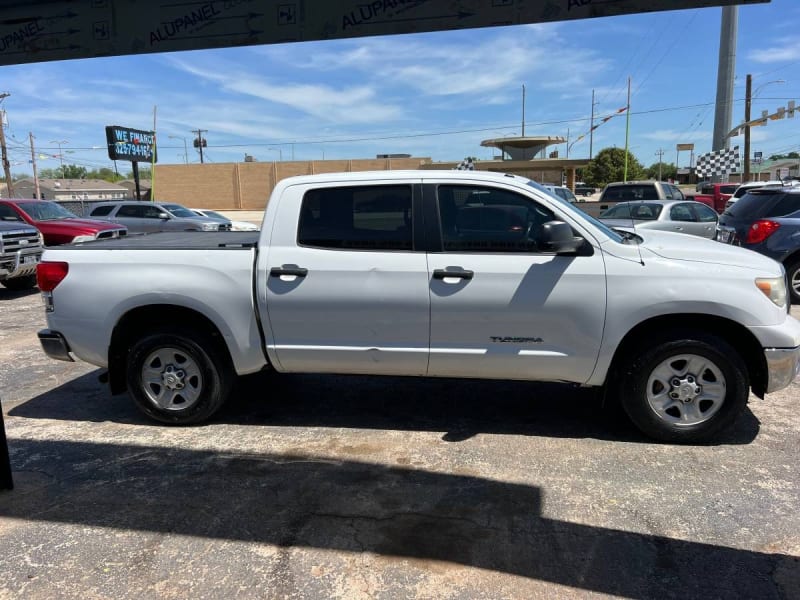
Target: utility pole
point(33, 162)
point(660, 155)
point(199, 142)
point(6, 165)
point(523, 110)
point(723, 114)
point(748, 100)
point(591, 127)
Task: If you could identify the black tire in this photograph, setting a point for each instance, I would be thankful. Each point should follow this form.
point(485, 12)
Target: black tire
point(793, 272)
point(26, 282)
point(178, 376)
point(678, 413)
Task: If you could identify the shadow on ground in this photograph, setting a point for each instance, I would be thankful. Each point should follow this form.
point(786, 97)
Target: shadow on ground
point(460, 408)
point(307, 502)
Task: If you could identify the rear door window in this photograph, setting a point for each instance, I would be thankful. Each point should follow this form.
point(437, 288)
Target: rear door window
point(375, 217)
point(101, 211)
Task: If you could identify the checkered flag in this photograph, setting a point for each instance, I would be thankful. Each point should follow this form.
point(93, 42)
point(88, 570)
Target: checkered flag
point(465, 165)
point(718, 163)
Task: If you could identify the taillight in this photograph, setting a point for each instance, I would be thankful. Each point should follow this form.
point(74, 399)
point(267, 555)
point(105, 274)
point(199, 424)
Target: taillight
point(761, 230)
point(50, 273)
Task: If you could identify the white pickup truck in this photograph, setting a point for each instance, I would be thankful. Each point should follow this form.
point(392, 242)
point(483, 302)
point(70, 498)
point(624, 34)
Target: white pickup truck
point(425, 273)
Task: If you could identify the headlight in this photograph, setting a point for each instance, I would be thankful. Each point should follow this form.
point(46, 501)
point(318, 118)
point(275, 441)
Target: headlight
point(774, 288)
point(82, 238)
point(210, 227)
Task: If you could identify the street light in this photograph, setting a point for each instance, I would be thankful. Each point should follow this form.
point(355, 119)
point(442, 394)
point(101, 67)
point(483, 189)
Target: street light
point(185, 147)
point(748, 101)
point(280, 153)
point(60, 155)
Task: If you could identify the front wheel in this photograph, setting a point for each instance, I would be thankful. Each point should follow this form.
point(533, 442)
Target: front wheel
point(26, 282)
point(684, 388)
point(178, 377)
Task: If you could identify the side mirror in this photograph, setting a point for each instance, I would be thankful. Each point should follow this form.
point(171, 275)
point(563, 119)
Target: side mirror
point(164, 216)
point(557, 236)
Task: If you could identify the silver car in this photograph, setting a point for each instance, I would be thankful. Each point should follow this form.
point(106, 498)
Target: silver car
point(148, 217)
point(681, 216)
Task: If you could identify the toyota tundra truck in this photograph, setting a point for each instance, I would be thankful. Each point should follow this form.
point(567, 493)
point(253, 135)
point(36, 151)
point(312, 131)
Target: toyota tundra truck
point(429, 274)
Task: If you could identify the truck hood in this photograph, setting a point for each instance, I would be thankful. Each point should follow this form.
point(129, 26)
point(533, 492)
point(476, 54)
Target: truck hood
point(679, 246)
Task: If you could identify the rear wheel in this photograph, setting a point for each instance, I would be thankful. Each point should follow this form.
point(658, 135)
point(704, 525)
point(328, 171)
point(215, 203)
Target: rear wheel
point(178, 377)
point(793, 271)
point(25, 282)
point(684, 388)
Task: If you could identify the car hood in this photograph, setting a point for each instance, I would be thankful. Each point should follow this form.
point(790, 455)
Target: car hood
point(679, 246)
point(626, 223)
point(73, 225)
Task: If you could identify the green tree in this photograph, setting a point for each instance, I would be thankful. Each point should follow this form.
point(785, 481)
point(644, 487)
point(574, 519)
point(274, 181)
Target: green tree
point(782, 156)
point(609, 165)
point(144, 173)
point(668, 171)
point(74, 172)
point(50, 173)
point(104, 173)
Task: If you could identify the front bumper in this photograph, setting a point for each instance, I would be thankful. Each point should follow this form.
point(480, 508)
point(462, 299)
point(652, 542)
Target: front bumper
point(21, 263)
point(783, 367)
point(55, 345)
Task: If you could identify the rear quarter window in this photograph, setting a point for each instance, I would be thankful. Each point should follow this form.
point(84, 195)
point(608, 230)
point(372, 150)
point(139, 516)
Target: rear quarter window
point(788, 205)
point(755, 204)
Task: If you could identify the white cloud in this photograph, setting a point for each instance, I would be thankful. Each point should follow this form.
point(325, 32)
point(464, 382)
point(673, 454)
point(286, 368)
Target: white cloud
point(782, 50)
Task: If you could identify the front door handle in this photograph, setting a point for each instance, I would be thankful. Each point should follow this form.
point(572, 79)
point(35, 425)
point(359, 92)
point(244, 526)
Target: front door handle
point(296, 271)
point(459, 273)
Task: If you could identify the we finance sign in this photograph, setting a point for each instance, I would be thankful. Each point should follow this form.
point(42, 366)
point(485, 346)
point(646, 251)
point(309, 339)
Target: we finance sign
point(134, 145)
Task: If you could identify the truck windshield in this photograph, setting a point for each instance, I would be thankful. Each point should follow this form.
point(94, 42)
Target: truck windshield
point(46, 211)
point(604, 228)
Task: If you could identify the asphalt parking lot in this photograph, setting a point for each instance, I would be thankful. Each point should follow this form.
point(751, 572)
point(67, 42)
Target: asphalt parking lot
point(353, 487)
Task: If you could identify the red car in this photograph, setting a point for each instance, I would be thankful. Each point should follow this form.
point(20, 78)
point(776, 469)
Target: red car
point(60, 226)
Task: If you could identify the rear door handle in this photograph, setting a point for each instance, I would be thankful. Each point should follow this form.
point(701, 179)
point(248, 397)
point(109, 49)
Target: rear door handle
point(296, 271)
point(459, 273)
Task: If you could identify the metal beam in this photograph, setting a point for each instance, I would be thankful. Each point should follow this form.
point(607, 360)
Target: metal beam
point(33, 31)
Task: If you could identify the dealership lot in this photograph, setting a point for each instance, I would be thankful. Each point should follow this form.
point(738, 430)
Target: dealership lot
point(355, 487)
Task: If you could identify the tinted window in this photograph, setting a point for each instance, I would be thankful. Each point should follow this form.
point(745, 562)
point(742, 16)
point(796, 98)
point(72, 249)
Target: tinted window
point(139, 211)
point(677, 194)
point(631, 192)
point(179, 211)
point(755, 204)
point(46, 211)
point(101, 211)
point(357, 218)
point(8, 214)
point(681, 212)
point(728, 189)
point(790, 203)
point(640, 212)
point(703, 213)
point(484, 219)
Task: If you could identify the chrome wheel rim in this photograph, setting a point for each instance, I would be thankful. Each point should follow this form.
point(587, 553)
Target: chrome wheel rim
point(171, 379)
point(795, 282)
point(686, 389)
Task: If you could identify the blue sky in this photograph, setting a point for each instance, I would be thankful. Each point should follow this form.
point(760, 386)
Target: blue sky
point(435, 94)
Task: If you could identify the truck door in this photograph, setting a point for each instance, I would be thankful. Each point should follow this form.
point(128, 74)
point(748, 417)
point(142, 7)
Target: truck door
point(501, 306)
point(346, 291)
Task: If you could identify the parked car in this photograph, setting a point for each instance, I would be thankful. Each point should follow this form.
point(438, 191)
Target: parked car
point(680, 216)
point(751, 185)
point(428, 273)
point(583, 189)
point(767, 220)
point(149, 217)
point(60, 226)
point(235, 225)
point(562, 192)
point(20, 250)
point(626, 191)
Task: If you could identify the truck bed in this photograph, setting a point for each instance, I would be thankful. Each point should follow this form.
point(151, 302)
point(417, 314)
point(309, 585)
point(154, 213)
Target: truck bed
point(176, 240)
